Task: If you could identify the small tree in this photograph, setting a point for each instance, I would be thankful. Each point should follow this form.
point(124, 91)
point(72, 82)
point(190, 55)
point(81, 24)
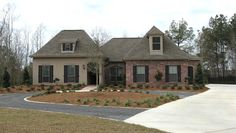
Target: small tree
point(199, 75)
point(26, 77)
point(6, 79)
point(158, 76)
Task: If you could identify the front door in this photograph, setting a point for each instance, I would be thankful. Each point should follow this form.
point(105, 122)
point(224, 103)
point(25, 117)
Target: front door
point(91, 73)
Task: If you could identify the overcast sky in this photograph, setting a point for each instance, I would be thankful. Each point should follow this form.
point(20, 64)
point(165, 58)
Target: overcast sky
point(118, 17)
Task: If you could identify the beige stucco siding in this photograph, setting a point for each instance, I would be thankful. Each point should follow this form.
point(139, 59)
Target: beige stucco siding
point(58, 68)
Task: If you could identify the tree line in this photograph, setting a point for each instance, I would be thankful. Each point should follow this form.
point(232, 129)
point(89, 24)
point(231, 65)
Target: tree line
point(15, 47)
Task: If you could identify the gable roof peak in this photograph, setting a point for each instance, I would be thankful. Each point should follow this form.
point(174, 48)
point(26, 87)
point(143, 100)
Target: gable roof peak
point(154, 31)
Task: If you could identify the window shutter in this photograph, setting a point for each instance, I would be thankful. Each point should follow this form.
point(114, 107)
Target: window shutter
point(65, 73)
point(167, 73)
point(179, 73)
point(51, 74)
point(63, 46)
point(146, 73)
point(134, 73)
point(77, 73)
point(40, 74)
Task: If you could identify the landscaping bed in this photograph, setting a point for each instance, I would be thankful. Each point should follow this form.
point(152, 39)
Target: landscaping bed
point(121, 99)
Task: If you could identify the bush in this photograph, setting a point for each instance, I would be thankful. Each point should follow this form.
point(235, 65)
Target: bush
point(6, 79)
point(140, 86)
point(199, 75)
point(121, 86)
point(146, 86)
point(122, 89)
point(69, 86)
point(158, 76)
point(179, 87)
point(66, 101)
point(187, 88)
point(164, 87)
point(42, 86)
point(100, 87)
point(128, 103)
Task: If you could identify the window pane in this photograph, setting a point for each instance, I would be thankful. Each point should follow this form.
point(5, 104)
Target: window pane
point(156, 41)
point(140, 70)
point(173, 70)
point(71, 73)
point(45, 73)
point(140, 77)
point(116, 73)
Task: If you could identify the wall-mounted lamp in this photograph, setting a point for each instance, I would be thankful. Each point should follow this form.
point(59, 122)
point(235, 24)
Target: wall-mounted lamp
point(84, 67)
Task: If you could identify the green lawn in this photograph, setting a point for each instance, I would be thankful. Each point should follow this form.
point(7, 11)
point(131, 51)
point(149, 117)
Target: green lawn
point(31, 121)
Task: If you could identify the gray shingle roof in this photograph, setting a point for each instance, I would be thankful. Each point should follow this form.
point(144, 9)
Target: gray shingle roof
point(116, 48)
point(85, 48)
point(119, 49)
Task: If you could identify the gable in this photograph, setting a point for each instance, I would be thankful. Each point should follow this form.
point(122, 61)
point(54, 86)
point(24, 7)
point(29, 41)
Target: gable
point(84, 45)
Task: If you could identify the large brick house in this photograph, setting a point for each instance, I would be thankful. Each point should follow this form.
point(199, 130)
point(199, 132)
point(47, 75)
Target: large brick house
point(121, 60)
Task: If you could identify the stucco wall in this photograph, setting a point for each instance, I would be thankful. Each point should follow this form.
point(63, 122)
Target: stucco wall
point(58, 68)
point(159, 65)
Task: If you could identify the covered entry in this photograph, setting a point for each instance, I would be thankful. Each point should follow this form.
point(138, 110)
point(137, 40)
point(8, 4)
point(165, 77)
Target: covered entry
point(92, 70)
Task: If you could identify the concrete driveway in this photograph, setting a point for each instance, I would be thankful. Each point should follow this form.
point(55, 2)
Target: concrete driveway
point(213, 111)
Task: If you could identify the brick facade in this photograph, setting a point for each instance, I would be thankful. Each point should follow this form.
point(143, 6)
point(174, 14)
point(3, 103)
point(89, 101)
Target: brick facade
point(159, 65)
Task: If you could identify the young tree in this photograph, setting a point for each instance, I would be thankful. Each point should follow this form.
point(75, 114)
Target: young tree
point(199, 75)
point(100, 36)
point(6, 79)
point(180, 33)
point(26, 76)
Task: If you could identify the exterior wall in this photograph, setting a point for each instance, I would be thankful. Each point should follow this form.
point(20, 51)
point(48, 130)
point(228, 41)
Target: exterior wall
point(107, 71)
point(159, 65)
point(58, 68)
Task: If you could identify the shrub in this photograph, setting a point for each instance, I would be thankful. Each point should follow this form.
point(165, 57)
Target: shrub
point(69, 86)
point(147, 92)
point(128, 103)
point(158, 76)
point(179, 87)
point(122, 89)
point(113, 100)
point(100, 87)
point(42, 86)
point(79, 100)
point(172, 87)
point(199, 75)
point(121, 86)
point(66, 101)
point(164, 87)
point(6, 79)
point(140, 86)
point(146, 86)
point(187, 88)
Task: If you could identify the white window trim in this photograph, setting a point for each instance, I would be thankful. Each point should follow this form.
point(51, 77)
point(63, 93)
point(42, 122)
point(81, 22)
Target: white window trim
point(73, 49)
point(156, 52)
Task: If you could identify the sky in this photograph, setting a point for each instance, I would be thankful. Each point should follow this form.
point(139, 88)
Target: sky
point(131, 18)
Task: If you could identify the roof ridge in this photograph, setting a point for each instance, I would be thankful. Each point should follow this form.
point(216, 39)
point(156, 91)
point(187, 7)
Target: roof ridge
point(127, 38)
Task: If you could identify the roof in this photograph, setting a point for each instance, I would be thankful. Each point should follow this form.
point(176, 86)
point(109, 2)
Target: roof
point(85, 48)
point(116, 48)
point(119, 49)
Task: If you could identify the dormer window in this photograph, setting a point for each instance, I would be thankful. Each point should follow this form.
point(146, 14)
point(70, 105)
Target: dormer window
point(68, 47)
point(156, 43)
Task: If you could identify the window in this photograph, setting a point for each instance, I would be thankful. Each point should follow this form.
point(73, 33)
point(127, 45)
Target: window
point(71, 73)
point(173, 73)
point(116, 74)
point(67, 47)
point(156, 43)
point(140, 73)
point(45, 73)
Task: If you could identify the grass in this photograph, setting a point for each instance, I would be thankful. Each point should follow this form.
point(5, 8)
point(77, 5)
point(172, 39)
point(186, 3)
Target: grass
point(30, 121)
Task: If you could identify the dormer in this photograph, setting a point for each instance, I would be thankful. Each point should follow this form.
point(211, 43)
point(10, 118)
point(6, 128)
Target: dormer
point(155, 37)
point(68, 45)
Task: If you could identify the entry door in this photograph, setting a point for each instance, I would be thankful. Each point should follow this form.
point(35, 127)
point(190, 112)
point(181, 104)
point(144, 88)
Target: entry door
point(190, 74)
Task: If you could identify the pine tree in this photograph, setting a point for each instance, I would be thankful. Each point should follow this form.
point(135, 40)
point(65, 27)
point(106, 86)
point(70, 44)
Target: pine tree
point(26, 77)
point(6, 79)
point(199, 75)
